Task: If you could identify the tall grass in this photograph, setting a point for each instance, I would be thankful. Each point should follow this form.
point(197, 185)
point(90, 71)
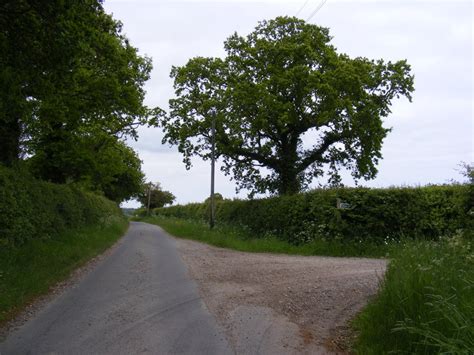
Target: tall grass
point(240, 238)
point(426, 303)
point(31, 269)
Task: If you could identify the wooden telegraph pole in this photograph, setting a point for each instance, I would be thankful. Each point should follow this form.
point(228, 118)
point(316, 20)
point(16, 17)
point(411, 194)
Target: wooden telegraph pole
point(213, 162)
point(149, 200)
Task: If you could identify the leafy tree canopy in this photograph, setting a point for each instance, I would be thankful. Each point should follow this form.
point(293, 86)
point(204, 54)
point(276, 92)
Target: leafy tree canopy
point(158, 196)
point(102, 164)
point(68, 76)
point(98, 163)
point(286, 106)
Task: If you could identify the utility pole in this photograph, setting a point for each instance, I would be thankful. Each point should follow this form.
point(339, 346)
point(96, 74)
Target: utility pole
point(149, 199)
point(213, 162)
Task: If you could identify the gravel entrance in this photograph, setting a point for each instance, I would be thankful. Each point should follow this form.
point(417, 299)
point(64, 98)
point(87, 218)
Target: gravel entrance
point(279, 304)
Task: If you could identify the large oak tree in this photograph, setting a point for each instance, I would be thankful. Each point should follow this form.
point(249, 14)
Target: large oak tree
point(277, 88)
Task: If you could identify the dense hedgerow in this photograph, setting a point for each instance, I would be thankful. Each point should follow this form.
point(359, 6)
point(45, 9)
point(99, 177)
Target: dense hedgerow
point(377, 215)
point(32, 209)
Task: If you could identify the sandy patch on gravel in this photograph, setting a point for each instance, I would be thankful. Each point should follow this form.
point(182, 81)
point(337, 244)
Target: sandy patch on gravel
point(280, 304)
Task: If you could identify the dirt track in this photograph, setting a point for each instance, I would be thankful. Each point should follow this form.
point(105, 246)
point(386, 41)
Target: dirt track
point(281, 303)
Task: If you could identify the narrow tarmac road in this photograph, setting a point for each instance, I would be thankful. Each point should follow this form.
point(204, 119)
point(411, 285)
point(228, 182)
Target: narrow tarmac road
point(140, 299)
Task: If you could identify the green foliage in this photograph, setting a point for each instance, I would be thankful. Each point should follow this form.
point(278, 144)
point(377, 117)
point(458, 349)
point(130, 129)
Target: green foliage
point(468, 172)
point(217, 197)
point(377, 215)
point(282, 82)
point(158, 196)
point(238, 238)
point(101, 164)
point(426, 303)
point(32, 209)
point(117, 173)
point(31, 269)
point(69, 78)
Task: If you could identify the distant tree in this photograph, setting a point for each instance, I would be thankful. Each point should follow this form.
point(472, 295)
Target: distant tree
point(280, 86)
point(158, 196)
point(217, 197)
point(99, 163)
point(117, 172)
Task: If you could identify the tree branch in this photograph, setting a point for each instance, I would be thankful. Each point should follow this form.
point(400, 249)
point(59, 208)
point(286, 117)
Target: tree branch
point(235, 152)
point(317, 154)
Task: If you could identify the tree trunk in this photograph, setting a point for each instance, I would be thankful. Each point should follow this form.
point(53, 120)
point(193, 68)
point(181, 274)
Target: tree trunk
point(289, 183)
point(10, 133)
point(52, 150)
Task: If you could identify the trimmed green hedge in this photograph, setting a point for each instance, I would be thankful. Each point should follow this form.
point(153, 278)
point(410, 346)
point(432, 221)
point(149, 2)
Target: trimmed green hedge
point(31, 209)
point(379, 215)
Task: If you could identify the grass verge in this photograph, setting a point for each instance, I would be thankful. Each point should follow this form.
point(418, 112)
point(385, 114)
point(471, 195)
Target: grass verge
point(31, 270)
point(426, 302)
point(242, 240)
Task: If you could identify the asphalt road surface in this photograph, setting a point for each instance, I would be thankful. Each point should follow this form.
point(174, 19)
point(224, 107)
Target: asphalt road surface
point(140, 299)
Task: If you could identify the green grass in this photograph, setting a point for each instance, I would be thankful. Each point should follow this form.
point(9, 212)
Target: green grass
point(426, 303)
point(31, 270)
point(231, 237)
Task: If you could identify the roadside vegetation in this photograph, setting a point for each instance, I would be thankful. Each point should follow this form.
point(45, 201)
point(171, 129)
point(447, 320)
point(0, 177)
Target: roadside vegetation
point(46, 231)
point(66, 109)
point(241, 239)
point(425, 303)
point(32, 209)
point(30, 270)
point(348, 215)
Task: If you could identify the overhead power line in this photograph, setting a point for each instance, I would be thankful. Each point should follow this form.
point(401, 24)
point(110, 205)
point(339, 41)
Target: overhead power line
point(302, 7)
point(321, 4)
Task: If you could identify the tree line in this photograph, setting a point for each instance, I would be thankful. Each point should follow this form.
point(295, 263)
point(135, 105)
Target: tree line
point(72, 93)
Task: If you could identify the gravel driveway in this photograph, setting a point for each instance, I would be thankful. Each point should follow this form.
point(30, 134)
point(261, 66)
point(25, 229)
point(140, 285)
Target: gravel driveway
point(281, 303)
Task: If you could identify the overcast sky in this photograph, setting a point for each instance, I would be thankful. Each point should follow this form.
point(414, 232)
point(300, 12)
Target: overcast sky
point(430, 136)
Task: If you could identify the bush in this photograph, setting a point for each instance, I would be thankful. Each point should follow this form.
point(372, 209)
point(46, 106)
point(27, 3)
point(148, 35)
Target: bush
point(378, 215)
point(32, 209)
